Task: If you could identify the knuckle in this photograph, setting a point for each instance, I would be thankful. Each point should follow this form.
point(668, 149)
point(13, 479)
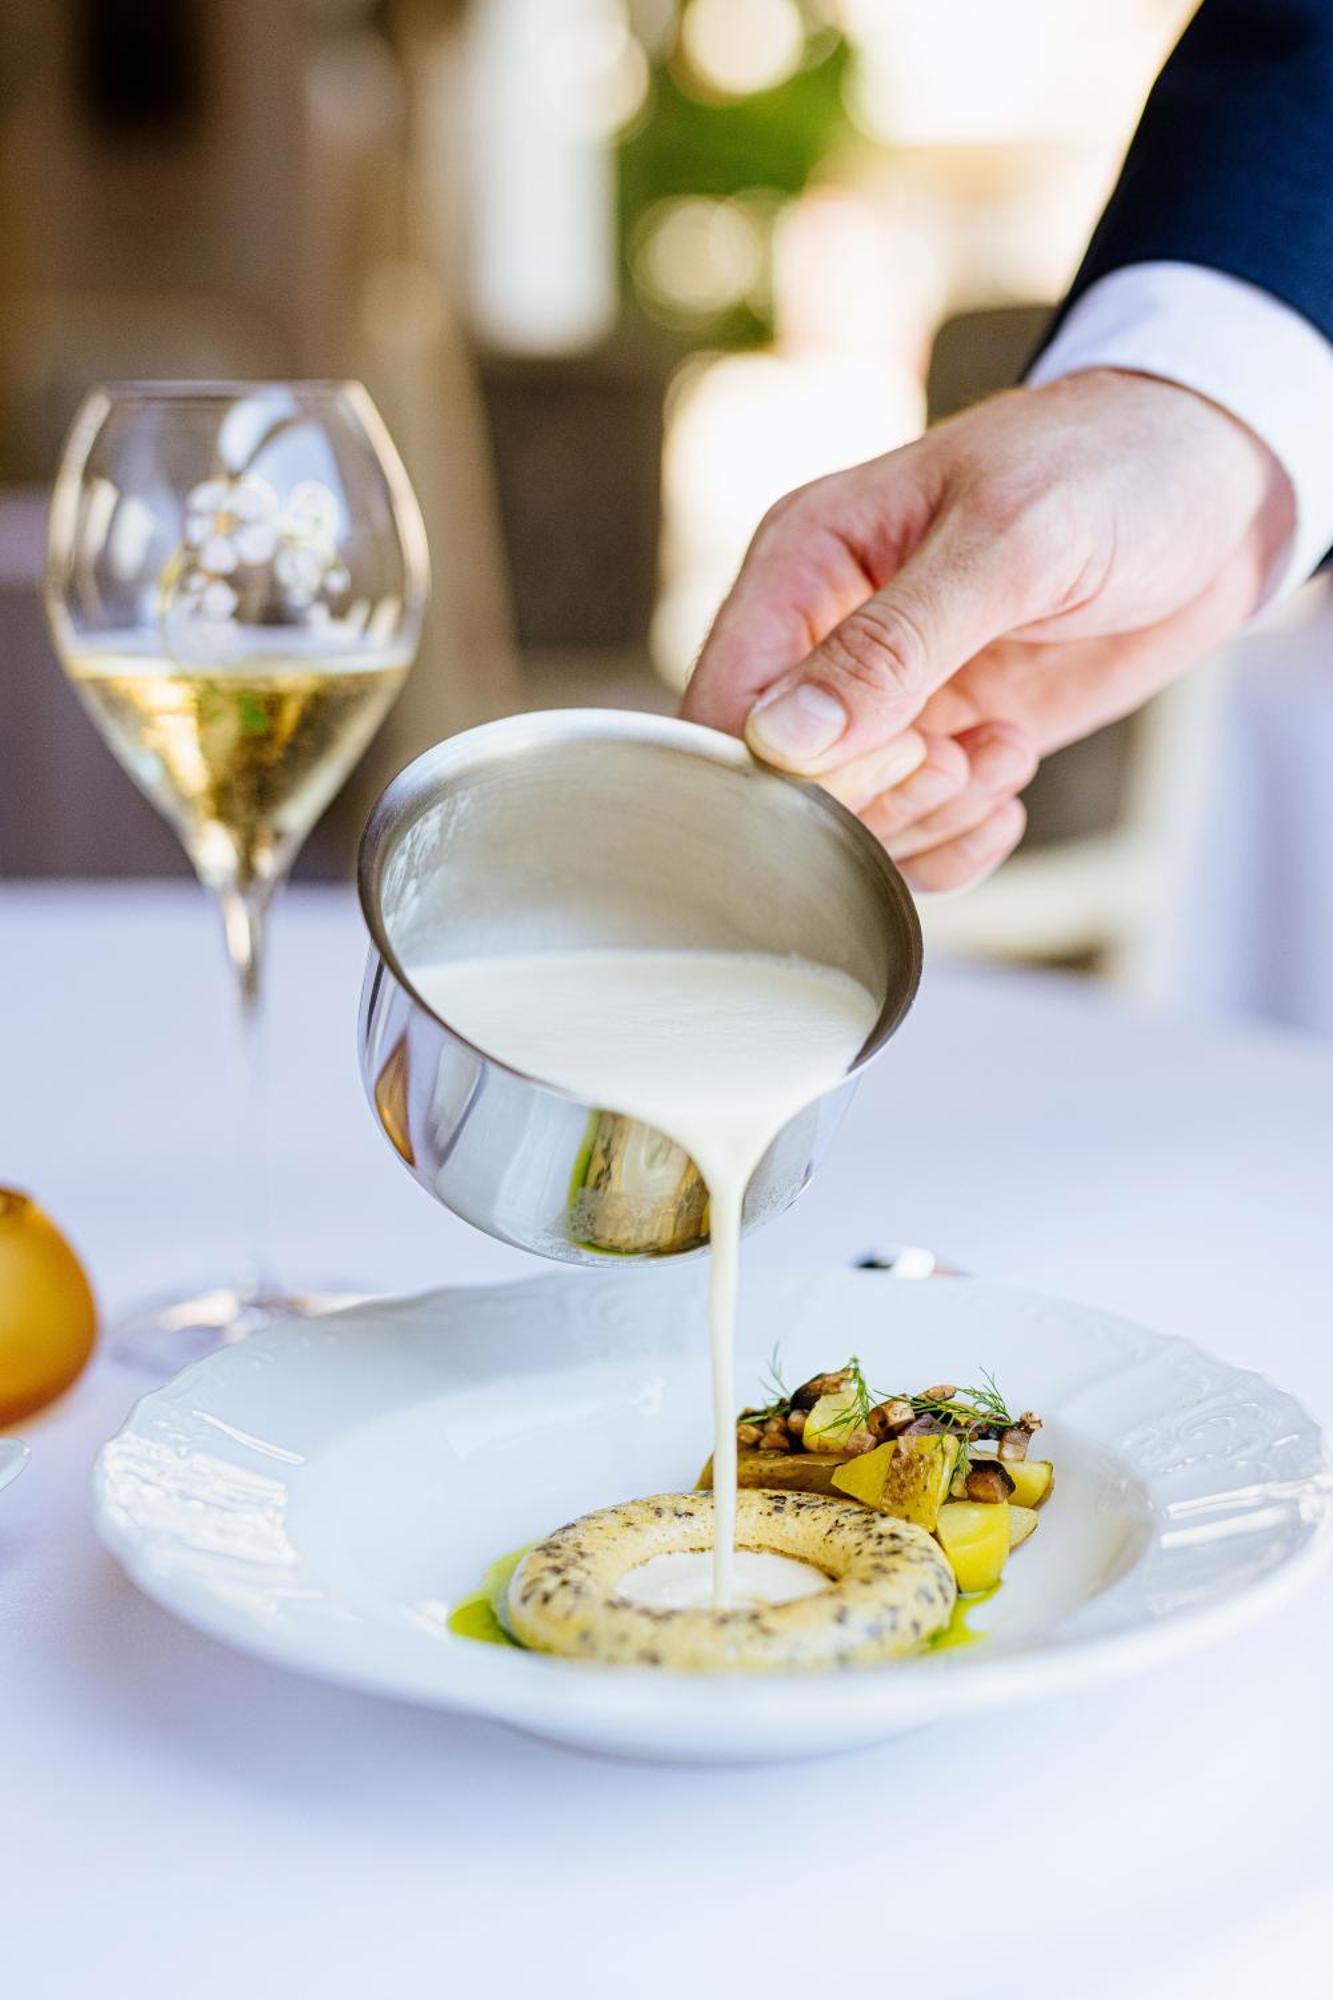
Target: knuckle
point(998, 836)
point(1002, 497)
point(880, 650)
point(1021, 757)
point(940, 872)
point(948, 763)
point(1017, 824)
point(779, 515)
point(1038, 526)
point(772, 519)
point(1004, 759)
point(968, 859)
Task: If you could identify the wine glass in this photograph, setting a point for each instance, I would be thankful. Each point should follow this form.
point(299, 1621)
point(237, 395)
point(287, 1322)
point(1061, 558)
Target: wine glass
point(236, 579)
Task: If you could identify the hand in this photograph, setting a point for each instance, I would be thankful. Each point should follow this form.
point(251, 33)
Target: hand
point(918, 631)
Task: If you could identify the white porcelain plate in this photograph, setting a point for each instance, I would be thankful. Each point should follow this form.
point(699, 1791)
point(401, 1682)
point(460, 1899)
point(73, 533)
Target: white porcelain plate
point(324, 1495)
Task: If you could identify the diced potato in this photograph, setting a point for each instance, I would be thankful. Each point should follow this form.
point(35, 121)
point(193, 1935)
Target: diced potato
point(1032, 1480)
point(1022, 1521)
point(831, 1421)
point(789, 1471)
point(974, 1534)
point(908, 1476)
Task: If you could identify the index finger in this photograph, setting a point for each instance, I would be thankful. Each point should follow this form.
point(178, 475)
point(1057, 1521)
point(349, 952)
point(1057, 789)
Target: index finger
point(799, 580)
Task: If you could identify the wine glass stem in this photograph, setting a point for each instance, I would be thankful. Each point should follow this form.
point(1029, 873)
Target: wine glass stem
point(244, 916)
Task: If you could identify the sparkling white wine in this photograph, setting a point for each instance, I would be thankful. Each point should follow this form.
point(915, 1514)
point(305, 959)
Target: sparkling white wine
point(241, 758)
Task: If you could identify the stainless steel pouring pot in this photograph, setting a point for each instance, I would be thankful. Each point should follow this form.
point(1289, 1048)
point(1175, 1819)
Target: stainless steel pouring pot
point(590, 827)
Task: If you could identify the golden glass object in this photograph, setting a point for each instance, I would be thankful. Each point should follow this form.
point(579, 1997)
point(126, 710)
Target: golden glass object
point(48, 1318)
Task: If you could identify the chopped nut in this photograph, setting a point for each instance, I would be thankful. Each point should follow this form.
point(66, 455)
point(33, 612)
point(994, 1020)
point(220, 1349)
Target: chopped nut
point(775, 1438)
point(1014, 1444)
point(989, 1481)
point(748, 1435)
point(859, 1441)
point(942, 1392)
point(1030, 1421)
point(888, 1420)
point(796, 1422)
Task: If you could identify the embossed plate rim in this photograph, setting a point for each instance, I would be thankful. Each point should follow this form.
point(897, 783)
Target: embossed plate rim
point(1285, 1504)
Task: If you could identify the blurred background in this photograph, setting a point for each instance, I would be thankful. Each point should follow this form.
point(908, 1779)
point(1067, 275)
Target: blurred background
point(619, 273)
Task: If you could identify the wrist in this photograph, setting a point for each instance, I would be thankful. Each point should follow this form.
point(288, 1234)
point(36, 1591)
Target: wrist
point(1240, 350)
point(1224, 440)
point(1206, 469)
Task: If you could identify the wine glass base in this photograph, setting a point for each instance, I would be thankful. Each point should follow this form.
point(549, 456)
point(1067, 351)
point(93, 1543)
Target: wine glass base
point(162, 1335)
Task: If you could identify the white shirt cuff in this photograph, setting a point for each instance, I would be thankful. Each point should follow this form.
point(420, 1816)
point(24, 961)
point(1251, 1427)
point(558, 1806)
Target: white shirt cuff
point(1240, 347)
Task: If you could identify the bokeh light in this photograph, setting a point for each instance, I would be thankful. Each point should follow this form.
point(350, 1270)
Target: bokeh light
point(614, 70)
point(743, 430)
point(857, 274)
point(736, 47)
point(976, 73)
point(697, 258)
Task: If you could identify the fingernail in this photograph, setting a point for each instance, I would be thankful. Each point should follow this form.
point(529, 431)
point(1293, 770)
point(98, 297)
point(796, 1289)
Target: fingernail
point(797, 725)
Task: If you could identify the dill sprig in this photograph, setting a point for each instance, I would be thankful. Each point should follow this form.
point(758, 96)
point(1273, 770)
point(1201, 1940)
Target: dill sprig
point(775, 1389)
point(855, 1416)
point(772, 1384)
point(967, 1416)
point(970, 1409)
point(865, 1400)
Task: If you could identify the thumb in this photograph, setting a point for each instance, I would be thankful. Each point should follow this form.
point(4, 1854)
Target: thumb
point(870, 678)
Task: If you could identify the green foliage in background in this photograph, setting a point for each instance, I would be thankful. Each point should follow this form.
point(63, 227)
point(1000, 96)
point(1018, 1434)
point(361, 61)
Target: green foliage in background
point(768, 144)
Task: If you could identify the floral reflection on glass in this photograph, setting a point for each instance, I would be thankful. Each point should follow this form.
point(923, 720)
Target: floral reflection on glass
point(238, 537)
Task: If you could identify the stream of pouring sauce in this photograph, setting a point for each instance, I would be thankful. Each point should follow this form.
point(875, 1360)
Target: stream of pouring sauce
point(719, 1050)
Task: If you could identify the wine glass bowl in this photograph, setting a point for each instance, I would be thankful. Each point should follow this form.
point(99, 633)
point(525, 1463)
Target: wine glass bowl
point(236, 582)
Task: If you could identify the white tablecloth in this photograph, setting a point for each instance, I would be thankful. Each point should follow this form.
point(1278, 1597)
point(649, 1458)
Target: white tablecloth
point(175, 1818)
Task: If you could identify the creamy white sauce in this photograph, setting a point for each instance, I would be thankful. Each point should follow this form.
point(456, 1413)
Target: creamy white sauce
point(683, 1581)
point(716, 1049)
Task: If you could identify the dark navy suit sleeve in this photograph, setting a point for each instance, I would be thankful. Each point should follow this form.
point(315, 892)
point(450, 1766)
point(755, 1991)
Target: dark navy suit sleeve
point(1232, 164)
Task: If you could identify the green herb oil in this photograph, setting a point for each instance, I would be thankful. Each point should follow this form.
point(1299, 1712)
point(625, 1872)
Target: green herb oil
point(478, 1617)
